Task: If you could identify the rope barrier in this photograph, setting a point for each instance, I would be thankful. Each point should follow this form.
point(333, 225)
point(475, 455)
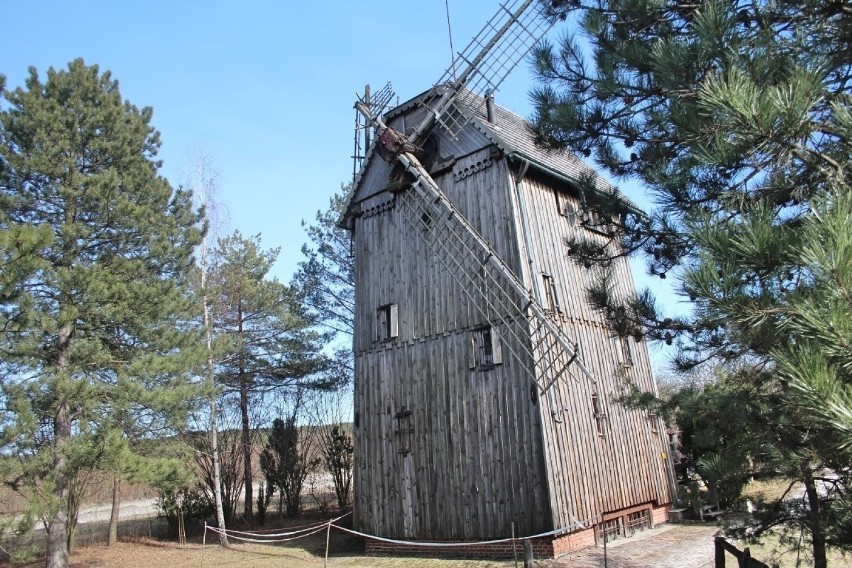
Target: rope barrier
point(328, 525)
point(267, 538)
point(262, 541)
point(569, 528)
point(311, 530)
point(268, 534)
point(293, 528)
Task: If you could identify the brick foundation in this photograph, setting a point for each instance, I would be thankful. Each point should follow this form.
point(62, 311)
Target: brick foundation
point(547, 547)
point(660, 515)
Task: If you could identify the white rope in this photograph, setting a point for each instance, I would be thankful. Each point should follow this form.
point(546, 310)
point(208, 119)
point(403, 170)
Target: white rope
point(265, 537)
point(556, 532)
point(268, 541)
point(330, 524)
point(293, 528)
point(268, 534)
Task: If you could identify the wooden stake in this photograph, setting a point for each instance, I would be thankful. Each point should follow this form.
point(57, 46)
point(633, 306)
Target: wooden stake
point(514, 548)
point(528, 554)
point(327, 538)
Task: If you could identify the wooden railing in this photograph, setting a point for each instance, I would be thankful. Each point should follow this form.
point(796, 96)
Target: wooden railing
point(744, 559)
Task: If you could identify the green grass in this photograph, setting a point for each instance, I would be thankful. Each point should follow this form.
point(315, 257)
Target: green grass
point(773, 553)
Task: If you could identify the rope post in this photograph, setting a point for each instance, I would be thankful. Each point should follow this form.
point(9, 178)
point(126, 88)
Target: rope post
point(327, 539)
point(719, 552)
point(514, 548)
point(745, 559)
point(528, 554)
point(203, 542)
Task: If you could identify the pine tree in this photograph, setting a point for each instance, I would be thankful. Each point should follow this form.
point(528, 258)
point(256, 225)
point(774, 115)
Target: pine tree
point(272, 344)
point(98, 317)
point(327, 279)
point(736, 118)
point(286, 462)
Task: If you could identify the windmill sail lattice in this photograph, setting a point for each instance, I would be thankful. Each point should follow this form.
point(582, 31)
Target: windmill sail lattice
point(375, 103)
point(379, 100)
point(486, 62)
point(498, 294)
point(537, 343)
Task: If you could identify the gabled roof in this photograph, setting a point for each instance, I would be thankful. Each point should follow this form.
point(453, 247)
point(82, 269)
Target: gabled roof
point(511, 134)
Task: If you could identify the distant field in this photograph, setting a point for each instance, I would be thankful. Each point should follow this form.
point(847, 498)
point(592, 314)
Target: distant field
point(98, 491)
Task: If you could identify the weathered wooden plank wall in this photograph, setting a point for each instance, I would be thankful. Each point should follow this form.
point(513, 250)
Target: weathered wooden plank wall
point(484, 453)
point(591, 474)
point(477, 462)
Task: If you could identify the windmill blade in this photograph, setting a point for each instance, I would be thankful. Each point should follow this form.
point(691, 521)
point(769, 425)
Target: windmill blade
point(486, 62)
point(375, 103)
point(539, 345)
point(477, 267)
point(371, 105)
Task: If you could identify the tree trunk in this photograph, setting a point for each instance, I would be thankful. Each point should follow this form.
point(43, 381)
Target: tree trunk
point(217, 472)
point(57, 530)
point(211, 379)
point(113, 516)
point(713, 492)
point(246, 433)
point(246, 443)
point(817, 530)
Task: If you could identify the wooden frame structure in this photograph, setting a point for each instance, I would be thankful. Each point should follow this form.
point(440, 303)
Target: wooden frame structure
point(489, 442)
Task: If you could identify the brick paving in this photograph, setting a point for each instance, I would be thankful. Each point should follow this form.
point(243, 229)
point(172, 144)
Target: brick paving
point(667, 546)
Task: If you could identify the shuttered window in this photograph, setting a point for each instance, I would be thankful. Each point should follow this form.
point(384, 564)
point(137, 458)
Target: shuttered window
point(653, 422)
point(565, 206)
point(599, 415)
point(387, 322)
point(404, 430)
point(485, 349)
point(626, 352)
point(551, 298)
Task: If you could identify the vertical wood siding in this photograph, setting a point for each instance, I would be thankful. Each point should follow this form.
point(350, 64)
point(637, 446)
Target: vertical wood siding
point(477, 462)
point(484, 452)
point(590, 474)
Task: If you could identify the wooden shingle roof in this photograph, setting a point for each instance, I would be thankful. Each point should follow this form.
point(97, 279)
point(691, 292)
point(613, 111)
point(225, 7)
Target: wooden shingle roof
point(511, 134)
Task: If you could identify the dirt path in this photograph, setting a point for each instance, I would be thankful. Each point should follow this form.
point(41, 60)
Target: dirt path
point(127, 510)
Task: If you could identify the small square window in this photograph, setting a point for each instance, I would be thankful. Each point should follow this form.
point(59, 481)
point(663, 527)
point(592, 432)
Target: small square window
point(610, 530)
point(387, 322)
point(485, 349)
point(551, 298)
point(404, 430)
point(599, 415)
point(653, 422)
point(566, 206)
point(626, 351)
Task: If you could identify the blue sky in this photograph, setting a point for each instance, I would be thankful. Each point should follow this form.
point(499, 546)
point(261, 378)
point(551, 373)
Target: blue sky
point(264, 87)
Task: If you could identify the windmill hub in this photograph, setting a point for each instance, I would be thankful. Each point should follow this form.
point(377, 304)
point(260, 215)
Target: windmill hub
point(392, 143)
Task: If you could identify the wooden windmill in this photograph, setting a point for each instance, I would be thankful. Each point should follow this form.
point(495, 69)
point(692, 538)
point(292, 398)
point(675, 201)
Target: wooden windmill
point(482, 386)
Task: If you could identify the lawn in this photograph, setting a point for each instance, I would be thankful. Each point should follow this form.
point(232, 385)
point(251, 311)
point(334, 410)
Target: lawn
point(304, 552)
